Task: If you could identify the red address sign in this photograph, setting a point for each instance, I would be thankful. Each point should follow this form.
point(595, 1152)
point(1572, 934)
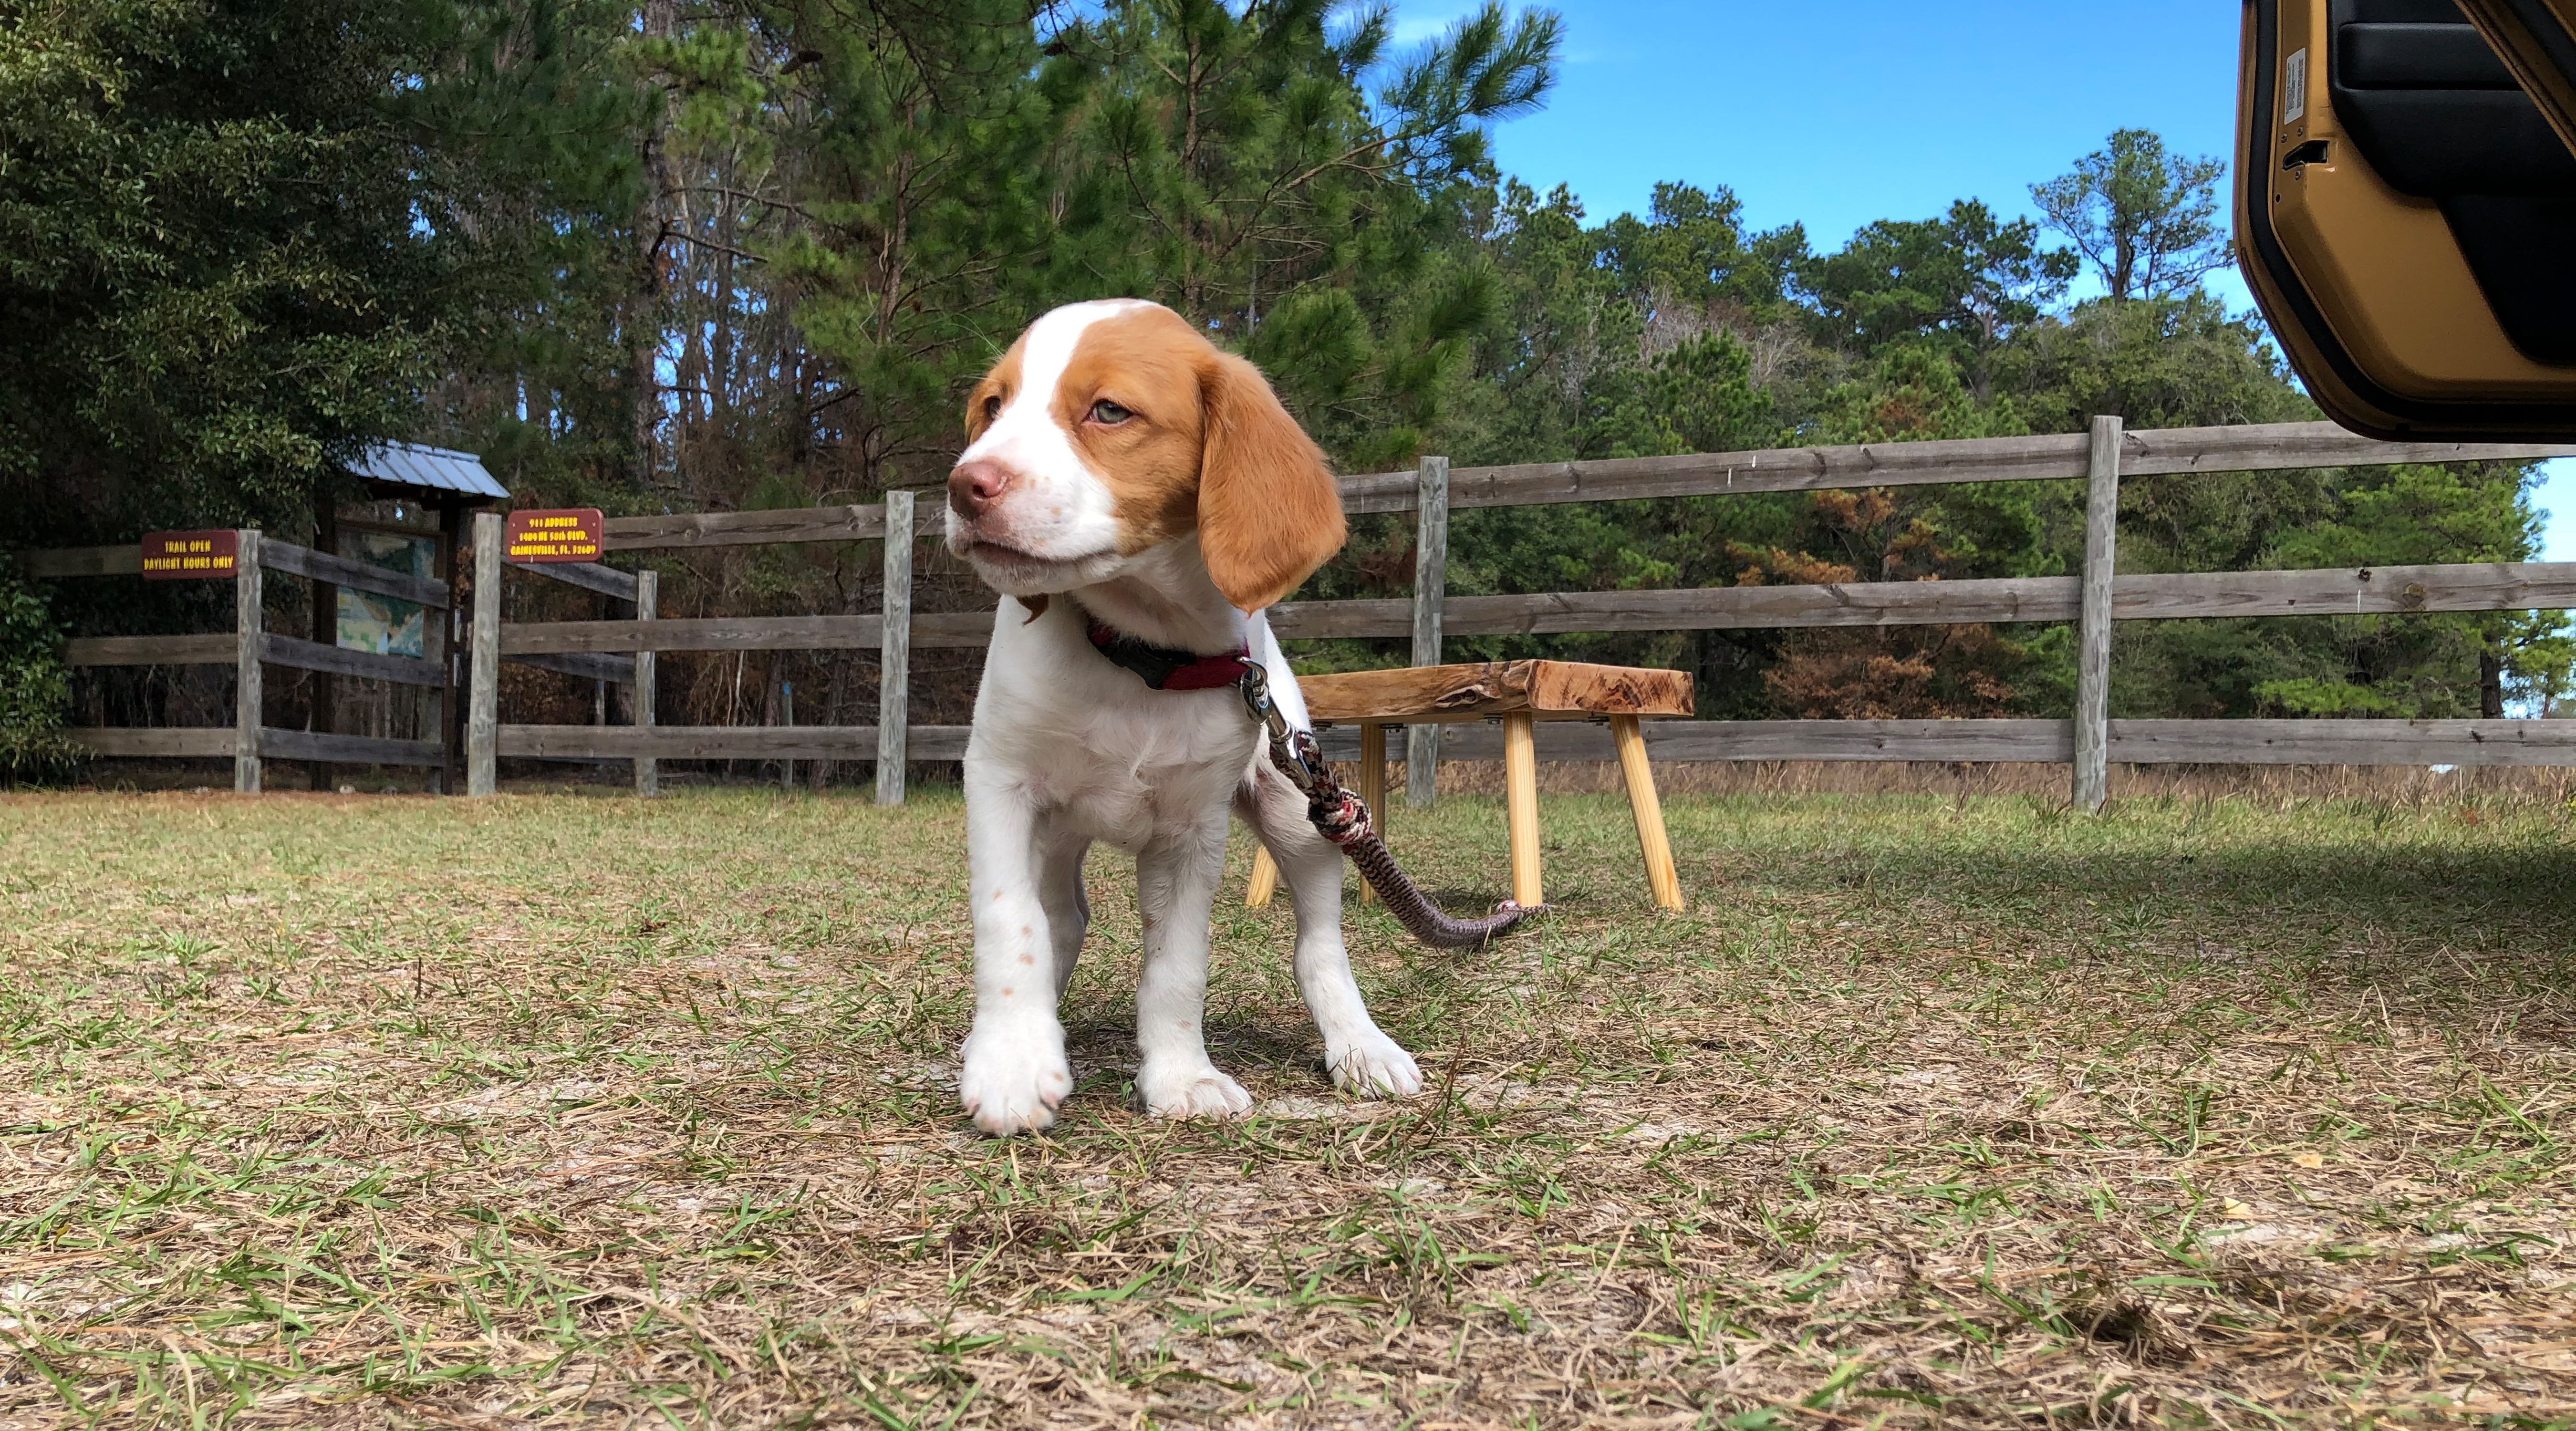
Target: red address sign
point(191, 556)
point(553, 534)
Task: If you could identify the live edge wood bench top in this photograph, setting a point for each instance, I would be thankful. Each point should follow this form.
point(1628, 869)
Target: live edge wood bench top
point(1542, 690)
point(1519, 694)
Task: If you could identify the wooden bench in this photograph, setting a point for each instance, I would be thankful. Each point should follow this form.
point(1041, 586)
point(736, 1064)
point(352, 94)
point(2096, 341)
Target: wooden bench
point(1519, 694)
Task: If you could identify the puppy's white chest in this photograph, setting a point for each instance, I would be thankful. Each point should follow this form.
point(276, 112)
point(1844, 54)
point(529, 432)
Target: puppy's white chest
point(1150, 771)
point(1152, 764)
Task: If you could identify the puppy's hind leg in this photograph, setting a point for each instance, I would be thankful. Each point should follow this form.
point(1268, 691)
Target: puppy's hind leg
point(1068, 912)
point(1175, 883)
point(1362, 1059)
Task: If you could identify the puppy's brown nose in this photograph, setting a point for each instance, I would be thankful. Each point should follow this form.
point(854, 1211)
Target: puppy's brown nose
point(973, 487)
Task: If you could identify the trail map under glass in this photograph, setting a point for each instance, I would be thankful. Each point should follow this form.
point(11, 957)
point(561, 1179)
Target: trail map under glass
point(387, 625)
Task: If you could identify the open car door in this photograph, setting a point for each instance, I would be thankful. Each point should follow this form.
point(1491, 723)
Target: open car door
point(2406, 208)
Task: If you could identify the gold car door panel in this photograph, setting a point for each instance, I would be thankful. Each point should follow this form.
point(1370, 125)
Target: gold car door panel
point(2407, 219)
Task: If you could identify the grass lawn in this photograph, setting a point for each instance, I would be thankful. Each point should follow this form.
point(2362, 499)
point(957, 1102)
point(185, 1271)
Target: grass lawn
point(573, 1110)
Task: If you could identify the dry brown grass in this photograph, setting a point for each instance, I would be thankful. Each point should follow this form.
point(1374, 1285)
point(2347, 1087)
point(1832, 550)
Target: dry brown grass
point(566, 1110)
point(2263, 784)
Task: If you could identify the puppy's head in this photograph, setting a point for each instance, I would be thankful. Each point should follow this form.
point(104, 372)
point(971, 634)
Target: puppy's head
point(1112, 428)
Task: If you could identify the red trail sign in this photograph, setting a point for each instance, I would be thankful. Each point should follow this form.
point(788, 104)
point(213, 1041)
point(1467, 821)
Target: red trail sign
point(553, 534)
point(191, 556)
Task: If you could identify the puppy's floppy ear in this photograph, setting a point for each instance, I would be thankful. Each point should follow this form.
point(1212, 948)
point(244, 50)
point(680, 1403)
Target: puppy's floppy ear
point(1269, 510)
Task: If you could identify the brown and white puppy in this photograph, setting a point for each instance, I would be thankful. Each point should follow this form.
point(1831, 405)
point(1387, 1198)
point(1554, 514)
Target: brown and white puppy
point(1122, 473)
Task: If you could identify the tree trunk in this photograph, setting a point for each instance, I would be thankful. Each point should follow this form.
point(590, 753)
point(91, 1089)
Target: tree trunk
point(644, 317)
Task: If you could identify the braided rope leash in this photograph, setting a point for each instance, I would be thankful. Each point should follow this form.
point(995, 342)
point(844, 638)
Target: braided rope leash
point(1342, 818)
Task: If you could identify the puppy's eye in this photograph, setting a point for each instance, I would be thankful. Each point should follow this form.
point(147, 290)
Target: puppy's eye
point(992, 408)
point(1109, 414)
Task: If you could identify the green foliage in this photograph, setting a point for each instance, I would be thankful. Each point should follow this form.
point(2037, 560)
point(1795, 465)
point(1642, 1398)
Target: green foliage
point(2409, 515)
point(1963, 281)
point(1691, 252)
point(2179, 362)
point(34, 686)
point(2145, 218)
point(1676, 331)
point(1233, 165)
point(751, 253)
point(2539, 660)
point(535, 121)
point(2429, 665)
point(909, 215)
point(1698, 397)
point(223, 261)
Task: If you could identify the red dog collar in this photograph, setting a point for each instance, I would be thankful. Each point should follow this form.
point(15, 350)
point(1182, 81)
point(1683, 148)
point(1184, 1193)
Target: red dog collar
point(1166, 669)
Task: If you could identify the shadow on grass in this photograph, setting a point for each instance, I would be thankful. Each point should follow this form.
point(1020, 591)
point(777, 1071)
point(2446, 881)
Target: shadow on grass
point(2414, 890)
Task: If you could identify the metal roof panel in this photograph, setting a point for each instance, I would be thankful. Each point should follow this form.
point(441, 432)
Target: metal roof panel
point(436, 469)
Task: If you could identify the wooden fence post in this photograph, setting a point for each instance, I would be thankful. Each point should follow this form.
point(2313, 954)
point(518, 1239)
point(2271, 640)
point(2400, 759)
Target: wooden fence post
point(1430, 586)
point(325, 630)
point(894, 668)
point(455, 642)
point(483, 669)
point(2093, 619)
point(248, 626)
point(648, 600)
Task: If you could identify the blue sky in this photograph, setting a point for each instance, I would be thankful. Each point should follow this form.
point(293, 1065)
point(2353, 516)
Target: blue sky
point(1832, 113)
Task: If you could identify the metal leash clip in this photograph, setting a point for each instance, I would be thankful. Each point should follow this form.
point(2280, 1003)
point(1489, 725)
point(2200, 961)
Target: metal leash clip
point(1293, 751)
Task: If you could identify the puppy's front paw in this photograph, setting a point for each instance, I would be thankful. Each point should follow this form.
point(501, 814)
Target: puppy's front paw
point(1014, 1077)
point(1190, 1091)
point(1372, 1066)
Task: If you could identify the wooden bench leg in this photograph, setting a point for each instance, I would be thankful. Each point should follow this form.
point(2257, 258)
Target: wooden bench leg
point(1520, 804)
point(1265, 879)
point(1660, 874)
point(1373, 788)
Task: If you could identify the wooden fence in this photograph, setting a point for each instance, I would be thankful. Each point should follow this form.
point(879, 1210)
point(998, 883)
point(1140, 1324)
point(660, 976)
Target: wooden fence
point(247, 648)
point(594, 648)
point(623, 650)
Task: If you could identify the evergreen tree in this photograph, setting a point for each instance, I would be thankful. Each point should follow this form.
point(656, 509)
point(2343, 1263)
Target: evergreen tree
point(225, 263)
point(2144, 217)
point(1964, 283)
point(1242, 171)
point(750, 253)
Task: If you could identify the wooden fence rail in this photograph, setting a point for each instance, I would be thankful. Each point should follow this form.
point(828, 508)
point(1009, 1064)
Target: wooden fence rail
point(742, 529)
point(2094, 598)
point(223, 648)
point(2356, 591)
point(2259, 447)
point(723, 742)
point(2141, 742)
point(355, 575)
point(588, 575)
point(705, 633)
point(2052, 742)
point(274, 743)
point(624, 651)
point(250, 649)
